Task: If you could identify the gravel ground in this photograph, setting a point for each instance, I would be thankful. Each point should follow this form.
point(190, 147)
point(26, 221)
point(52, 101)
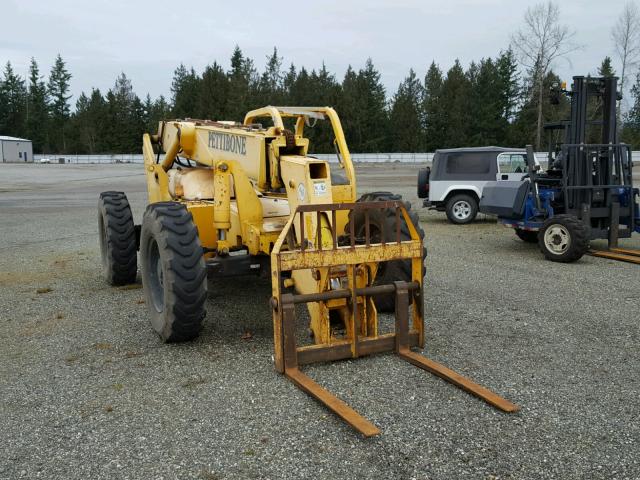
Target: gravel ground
point(89, 391)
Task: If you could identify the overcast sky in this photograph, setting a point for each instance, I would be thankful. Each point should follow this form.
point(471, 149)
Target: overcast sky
point(148, 39)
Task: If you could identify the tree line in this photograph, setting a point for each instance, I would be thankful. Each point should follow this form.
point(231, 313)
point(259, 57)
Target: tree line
point(501, 100)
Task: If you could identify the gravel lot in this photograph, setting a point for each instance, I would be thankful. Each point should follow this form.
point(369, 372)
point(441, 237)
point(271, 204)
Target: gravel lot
point(89, 391)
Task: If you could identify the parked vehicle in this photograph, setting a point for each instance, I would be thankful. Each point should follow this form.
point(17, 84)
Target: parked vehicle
point(457, 177)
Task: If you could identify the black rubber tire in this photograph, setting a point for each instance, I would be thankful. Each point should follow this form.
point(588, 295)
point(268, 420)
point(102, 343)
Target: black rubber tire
point(528, 236)
point(174, 275)
point(388, 272)
point(578, 235)
point(118, 248)
point(462, 197)
point(423, 182)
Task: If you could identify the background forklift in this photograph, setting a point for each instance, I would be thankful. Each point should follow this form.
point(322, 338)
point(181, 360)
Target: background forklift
point(587, 190)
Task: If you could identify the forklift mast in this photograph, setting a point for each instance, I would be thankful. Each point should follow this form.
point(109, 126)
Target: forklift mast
point(595, 179)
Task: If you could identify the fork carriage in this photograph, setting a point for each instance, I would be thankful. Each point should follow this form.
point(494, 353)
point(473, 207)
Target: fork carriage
point(345, 268)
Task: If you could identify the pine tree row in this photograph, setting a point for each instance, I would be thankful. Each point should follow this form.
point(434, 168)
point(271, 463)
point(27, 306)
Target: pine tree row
point(489, 103)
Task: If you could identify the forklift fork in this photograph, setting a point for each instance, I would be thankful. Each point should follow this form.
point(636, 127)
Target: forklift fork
point(289, 357)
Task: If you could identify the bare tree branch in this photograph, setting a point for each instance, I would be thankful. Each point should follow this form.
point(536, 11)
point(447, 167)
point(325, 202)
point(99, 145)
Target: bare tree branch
point(541, 41)
point(626, 38)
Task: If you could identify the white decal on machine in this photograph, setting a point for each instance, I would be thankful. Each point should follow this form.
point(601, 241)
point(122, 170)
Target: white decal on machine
point(319, 188)
point(302, 192)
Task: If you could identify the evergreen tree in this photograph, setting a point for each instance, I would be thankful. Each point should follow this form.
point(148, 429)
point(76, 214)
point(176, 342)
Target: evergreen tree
point(96, 121)
point(606, 69)
point(79, 138)
point(160, 110)
point(37, 121)
point(432, 112)
point(322, 89)
point(405, 119)
point(185, 90)
point(456, 95)
point(214, 90)
point(362, 109)
point(270, 86)
point(288, 82)
point(242, 86)
point(125, 122)
point(90, 126)
point(350, 112)
point(300, 92)
point(488, 125)
point(58, 90)
point(372, 98)
point(13, 99)
point(509, 84)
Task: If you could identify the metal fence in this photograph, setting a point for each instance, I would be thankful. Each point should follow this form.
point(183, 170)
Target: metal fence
point(416, 158)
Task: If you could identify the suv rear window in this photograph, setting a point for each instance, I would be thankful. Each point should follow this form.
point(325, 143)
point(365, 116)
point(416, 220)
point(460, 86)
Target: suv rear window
point(468, 163)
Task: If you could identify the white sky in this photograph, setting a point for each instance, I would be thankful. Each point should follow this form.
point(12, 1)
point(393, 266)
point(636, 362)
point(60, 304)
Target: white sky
point(147, 39)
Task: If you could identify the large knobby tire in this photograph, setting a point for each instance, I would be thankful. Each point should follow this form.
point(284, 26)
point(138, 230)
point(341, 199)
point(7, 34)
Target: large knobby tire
point(462, 209)
point(528, 236)
point(563, 238)
point(118, 249)
point(174, 275)
point(388, 272)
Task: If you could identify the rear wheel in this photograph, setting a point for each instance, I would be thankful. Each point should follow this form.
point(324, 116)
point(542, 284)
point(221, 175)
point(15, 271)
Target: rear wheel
point(173, 271)
point(118, 248)
point(528, 236)
point(462, 209)
point(563, 238)
point(385, 220)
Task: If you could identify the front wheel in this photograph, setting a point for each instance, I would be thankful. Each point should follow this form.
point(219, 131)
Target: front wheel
point(462, 209)
point(174, 274)
point(384, 221)
point(563, 238)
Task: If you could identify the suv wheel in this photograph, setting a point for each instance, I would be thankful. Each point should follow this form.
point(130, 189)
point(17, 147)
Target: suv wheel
point(462, 209)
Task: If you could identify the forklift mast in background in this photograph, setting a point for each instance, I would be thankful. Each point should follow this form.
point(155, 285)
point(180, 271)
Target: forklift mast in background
point(594, 178)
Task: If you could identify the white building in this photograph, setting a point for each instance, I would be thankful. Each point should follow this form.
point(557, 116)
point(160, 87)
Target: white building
point(14, 150)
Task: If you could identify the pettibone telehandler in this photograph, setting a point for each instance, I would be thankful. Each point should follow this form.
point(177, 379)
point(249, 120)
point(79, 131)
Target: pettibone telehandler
point(229, 198)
